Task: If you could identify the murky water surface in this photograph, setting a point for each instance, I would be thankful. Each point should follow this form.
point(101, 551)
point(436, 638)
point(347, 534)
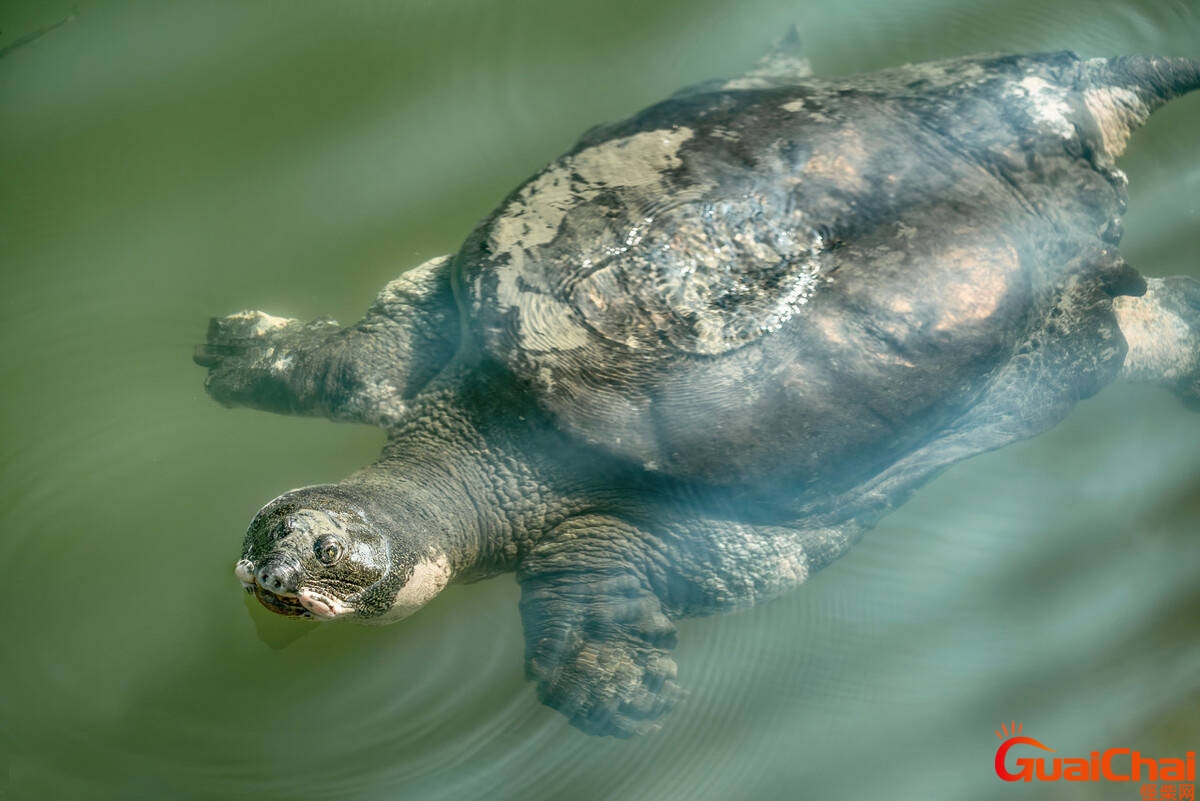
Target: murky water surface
point(162, 163)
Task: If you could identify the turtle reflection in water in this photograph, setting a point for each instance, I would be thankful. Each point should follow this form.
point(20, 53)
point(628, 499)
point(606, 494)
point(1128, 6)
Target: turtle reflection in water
point(691, 361)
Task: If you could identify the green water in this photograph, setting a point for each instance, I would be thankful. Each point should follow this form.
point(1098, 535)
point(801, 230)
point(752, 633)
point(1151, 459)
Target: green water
point(161, 163)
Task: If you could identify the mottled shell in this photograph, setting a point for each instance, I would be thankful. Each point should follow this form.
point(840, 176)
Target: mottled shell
point(804, 280)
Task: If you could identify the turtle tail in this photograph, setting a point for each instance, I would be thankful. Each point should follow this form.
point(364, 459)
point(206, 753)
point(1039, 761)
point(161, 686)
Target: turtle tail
point(1122, 92)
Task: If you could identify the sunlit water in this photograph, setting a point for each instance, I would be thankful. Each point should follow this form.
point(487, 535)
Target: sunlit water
point(162, 163)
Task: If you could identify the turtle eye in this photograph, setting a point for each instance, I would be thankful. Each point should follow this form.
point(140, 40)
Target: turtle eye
point(328, 549)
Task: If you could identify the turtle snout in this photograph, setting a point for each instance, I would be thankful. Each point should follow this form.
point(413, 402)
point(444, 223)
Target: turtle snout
point(280, 575)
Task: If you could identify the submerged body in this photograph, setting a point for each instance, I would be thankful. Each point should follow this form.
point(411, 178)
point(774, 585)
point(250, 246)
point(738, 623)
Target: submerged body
point(687, 364)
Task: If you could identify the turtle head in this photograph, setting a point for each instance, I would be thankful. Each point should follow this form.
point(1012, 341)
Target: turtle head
point(326, 552)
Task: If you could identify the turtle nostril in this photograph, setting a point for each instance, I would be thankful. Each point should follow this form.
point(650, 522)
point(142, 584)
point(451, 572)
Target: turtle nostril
point(281, 575)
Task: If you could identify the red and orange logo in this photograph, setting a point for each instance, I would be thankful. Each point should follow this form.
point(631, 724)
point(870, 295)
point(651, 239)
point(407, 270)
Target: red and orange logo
point(1178, 776)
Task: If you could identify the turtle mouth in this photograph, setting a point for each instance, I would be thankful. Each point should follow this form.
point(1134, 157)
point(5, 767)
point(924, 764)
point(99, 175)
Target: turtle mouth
point(307, 603)
point(288, 606)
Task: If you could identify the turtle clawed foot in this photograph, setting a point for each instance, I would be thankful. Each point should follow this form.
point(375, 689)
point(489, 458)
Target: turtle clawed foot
point(605, 689)
point(250, 356)
point(239, 352)
point(601, 656)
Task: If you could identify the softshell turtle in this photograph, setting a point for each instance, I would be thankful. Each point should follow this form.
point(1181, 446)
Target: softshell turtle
point(691, 361)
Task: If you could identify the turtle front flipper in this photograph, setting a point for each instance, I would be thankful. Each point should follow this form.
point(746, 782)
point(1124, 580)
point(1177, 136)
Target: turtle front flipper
point(597, 641)
point(364, 373)
point(1162, 332)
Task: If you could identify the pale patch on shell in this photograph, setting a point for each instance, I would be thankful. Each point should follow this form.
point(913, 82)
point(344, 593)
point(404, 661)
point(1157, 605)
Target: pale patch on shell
point(977, 294)
point(839, 163)
point(796, 106)
point(832, 328)
point(534, 216)
point(428, 578)
point(632, 161)
point(1047, 104)
point(725, 134)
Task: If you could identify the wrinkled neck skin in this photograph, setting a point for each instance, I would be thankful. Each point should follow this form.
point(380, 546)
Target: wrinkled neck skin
point(465, 480)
